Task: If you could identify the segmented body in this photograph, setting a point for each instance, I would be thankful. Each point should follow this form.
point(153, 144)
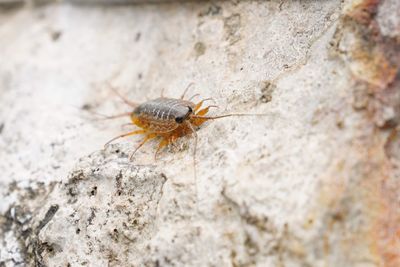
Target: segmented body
point(162, 115)
point(168, 118)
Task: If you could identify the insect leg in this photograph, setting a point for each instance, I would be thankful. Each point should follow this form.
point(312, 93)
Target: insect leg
point(194, 155)
point(193, 96)
point(165, 142)
point(162, 144)
point(126, 101)
point(205, 110)
point(187, 88)
point(124, 135)
point(147, 138)
point(105, 117)
point(198, 105)
point(172, 140)
point(199, 121)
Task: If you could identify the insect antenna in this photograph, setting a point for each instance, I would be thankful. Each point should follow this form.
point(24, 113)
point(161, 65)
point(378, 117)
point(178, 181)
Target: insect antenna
point(194, 156)
point(125, 135)
point(227, 115)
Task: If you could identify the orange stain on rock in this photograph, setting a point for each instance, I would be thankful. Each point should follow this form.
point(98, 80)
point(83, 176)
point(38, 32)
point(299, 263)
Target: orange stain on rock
point(362, 11)
point(388, 225)
point(360, 197)
point(372, 66)
point(371, 57)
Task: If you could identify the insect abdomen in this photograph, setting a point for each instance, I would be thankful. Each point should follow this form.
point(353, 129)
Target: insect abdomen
point(159, 115)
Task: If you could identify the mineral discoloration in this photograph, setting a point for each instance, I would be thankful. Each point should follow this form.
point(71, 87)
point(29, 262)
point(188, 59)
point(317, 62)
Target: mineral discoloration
point(267, 90)
point(232, 27)
point(363, 197)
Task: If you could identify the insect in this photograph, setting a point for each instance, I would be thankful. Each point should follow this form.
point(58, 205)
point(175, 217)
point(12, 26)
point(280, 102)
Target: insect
point(168, 119)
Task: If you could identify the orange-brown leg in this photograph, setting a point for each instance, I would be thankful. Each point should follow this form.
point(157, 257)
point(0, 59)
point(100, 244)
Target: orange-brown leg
point(202, 112)
point(147, 138)
point(166, 141)
point(172, 140)
point(198, 105)
point(161, 145)
point(125, 135)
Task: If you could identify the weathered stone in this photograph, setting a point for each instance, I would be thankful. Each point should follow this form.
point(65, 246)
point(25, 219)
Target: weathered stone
point(312, 183)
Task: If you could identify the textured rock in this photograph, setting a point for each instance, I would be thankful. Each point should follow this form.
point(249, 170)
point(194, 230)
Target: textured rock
point(313, 183)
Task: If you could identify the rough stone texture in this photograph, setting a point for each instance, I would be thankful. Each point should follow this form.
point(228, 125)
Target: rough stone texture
point(313, 183)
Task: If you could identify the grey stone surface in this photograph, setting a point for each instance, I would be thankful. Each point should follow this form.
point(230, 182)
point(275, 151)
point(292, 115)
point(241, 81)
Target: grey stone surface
point(297, 187)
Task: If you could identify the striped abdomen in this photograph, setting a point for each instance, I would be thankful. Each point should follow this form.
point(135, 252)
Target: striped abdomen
point(162, 114)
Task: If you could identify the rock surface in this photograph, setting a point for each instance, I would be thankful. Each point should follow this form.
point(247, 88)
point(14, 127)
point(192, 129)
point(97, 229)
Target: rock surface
point(315, 182)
